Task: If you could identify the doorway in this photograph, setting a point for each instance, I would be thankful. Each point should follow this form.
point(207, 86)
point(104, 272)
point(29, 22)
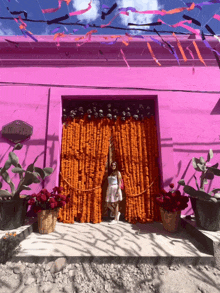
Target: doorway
point(94, 134)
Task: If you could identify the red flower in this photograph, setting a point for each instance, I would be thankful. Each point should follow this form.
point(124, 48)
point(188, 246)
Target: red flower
point(171, 185)
point(43, 198)
point(53, 205)
point(36, 209)
point(61, 203)
point(31, 201)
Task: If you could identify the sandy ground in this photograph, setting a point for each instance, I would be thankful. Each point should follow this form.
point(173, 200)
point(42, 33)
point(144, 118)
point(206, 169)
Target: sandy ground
point(111, 278)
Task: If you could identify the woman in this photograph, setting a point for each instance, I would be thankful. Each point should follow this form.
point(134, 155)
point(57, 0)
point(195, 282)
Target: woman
point(114, 193)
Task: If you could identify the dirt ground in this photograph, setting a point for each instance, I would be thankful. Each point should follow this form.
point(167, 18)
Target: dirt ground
point(115, 278)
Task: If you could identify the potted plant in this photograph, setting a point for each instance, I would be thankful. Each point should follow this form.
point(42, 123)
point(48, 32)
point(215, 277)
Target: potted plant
point(9, 246)
point(13, 206)
point(206, 205)
point(46, 205)
point(171, 203)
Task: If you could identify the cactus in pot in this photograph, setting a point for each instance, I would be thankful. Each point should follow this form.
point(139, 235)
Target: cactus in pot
point(27, 177)
point(208, 173)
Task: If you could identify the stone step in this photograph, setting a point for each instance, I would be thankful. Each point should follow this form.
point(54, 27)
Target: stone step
point(119, 243)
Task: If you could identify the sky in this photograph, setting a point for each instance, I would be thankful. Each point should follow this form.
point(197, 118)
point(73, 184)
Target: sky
point(93, 16)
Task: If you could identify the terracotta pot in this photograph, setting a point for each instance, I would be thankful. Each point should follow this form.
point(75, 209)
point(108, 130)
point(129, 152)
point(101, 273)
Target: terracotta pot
point(47, 220)
point(170, 220)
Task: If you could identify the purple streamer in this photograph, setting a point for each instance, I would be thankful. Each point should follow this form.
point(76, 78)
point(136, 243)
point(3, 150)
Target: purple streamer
point(33, 38)
point(109, 43)
point(55, 30)
point(75, 30)
point(24, 33)
point(128, 8)
point(105, 6)
point(208, 46)
point(86, 26)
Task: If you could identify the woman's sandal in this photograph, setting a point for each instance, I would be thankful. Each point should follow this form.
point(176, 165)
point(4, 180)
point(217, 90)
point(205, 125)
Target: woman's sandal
point(111, 215)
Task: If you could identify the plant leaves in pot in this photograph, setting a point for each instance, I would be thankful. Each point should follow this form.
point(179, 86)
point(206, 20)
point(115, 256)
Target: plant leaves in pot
point(13, 206)
point(207, 205)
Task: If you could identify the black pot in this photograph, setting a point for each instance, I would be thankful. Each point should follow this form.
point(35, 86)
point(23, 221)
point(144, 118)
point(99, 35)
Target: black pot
point(12, 213)
point(207, 215)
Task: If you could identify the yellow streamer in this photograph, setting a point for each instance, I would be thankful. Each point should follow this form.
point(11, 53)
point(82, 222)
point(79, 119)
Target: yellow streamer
point(198, 53)
point(180, 48)
point(152, 54)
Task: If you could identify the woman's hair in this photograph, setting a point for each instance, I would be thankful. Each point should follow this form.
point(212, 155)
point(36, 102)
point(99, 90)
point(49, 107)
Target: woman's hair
point(116, 167)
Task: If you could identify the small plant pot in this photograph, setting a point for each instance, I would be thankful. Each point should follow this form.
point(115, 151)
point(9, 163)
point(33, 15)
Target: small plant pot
point(170, 220)
point(47, 221)
point(207, 215)
point(12, 214)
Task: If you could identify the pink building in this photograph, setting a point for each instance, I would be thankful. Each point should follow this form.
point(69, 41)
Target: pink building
point(37, 76)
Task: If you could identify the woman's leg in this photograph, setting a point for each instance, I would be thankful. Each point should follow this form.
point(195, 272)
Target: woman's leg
point(116, 209)
point(109, 205)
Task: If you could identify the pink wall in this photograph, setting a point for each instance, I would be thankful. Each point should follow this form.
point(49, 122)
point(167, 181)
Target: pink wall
point(187, 128)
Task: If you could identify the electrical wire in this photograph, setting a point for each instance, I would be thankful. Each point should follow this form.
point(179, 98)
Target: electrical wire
point(106, 87)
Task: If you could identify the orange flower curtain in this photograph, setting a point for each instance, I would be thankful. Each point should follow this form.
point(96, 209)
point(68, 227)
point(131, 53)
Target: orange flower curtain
point(85, 145)
point(136, 152)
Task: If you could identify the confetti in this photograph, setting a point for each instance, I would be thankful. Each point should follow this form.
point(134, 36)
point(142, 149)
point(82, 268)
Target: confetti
point(79, 12)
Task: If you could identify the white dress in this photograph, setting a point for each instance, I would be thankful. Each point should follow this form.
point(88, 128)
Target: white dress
point(112, 190)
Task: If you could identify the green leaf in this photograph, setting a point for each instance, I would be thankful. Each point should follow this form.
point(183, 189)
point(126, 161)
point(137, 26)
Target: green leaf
point(14, 159)
point(182, 182)
point(30, 168)
point(36, 159)
point(202, 160)
point(210, 155)
point(7, 164)
point(209, 175)
point(40, 172)
point(25, 187)
point(215, 190)
point(17, 170)
point(18, 146)
point(195, 163)
point(215, 166)
point(4, 193)
point(215, 171)
point(201, 167)
point(6, 177)
point(48, 171)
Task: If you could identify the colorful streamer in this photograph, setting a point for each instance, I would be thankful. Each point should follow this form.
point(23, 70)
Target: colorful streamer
point(199, 5)
point(18, 12)
point(180, 48)
point(134, 36)
point(55, 30)
point(104, 14)
point(109, 43)
point(50, 10)
point(208, 45)
point(123, 55)
point(196, 22)
point(191, 53)
point(104, 25)
point(146, 24)
point(79, 12)
point(104, 6)
point(216, 16)
point(212, 32)
point(58, 36)
point(152, 54)
point(161, 12)
point(12, 42)
point(31, 36)
point(181, 23)
point(198, 53)
point(56, 20)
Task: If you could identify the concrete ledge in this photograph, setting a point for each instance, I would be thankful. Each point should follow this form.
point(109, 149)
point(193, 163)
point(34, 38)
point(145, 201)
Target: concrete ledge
point(210, 240)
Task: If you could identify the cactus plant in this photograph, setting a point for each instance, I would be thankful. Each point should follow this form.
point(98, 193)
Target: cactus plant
point(208, 173)
point(27, 177)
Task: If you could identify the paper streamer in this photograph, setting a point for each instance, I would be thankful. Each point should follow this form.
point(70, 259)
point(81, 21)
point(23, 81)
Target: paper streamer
point(123, 55)
point(50, 10)
point(75, 30)
point(216, 16)
point(100, 52)
point(161, 12)
point(104, 6)
point(180, 48)
point(191, 53)
point(104, 14)
point(174, 53)
point(212, 32)
point(199, 5)
point(56, 20)
point(12, 42)
point(152, 54)
point(196, 22)
point(79, 12)
point(217, 59)
point(55, 30)
point(31, 36)
point(109, 43)
point(23, 32)
point(87, 35)
point(146, 24)
point(104, 25)
point(166, 43)
point(58, 36)
point(198, 53)
point(18, 12)
point(134, 36)
point(181, 23)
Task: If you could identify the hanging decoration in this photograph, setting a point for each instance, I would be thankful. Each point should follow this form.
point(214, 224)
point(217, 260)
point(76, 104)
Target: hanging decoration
point(180, 48)
point(79, 12)
point(191, 53)
point(104, 14)
point(198, 53)
point(152, 54)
